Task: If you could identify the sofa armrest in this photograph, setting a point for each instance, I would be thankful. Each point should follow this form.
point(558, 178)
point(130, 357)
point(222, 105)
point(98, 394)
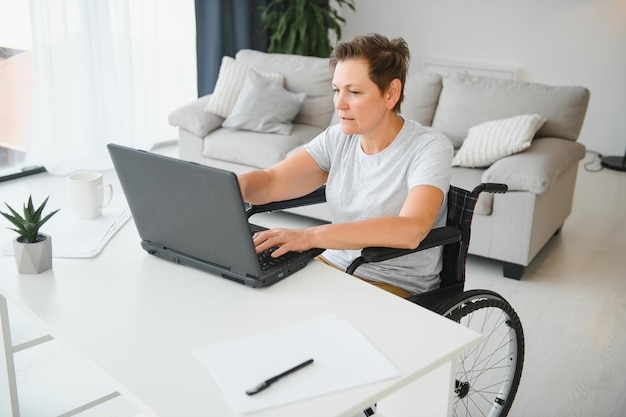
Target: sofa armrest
point(193, 118)
point(538, 167)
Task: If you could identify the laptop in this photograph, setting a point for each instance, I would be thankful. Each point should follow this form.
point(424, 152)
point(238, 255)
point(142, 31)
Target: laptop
point(194, 215)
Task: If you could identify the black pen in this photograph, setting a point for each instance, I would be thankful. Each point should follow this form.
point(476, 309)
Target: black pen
point(273, 379)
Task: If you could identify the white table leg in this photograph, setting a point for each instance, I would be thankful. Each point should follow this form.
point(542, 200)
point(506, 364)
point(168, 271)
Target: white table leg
point(429, 396)
point(9, 405)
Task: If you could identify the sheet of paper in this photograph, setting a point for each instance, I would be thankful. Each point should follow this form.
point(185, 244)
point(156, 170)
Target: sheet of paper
point(343, 359)
point(77, 238)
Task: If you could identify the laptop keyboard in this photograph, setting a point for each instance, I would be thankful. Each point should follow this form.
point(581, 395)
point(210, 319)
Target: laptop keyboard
point(266, 261)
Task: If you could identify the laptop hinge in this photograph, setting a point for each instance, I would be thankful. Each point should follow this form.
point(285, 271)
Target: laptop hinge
point(242, 273)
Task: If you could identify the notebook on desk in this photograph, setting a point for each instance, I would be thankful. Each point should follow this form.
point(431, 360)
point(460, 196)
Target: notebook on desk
point(194, 215)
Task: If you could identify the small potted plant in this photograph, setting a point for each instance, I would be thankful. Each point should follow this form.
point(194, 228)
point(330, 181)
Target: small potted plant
point(33, 250)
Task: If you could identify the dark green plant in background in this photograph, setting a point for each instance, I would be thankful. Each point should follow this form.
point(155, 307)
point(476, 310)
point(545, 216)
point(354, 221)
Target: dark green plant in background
point(301, 27)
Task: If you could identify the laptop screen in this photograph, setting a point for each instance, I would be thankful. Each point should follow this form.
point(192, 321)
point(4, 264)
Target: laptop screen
point(186, 207)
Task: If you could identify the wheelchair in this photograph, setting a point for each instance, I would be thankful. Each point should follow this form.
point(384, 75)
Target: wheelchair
point(487, 377)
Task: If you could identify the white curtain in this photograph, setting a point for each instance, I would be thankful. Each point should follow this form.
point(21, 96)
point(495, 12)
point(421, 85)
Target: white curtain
point(107, 71)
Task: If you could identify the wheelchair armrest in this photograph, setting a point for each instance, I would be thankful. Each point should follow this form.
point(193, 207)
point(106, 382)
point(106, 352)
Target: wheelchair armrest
point(316, 197)
point(436, 237)
point(490, 187)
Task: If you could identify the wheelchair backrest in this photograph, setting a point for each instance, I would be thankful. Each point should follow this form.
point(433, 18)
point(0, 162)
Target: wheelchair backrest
point(461, 204)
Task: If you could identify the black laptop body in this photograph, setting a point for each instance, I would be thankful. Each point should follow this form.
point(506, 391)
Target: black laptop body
point(194, 215)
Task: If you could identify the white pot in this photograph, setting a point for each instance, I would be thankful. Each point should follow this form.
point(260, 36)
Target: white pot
point(33, 258)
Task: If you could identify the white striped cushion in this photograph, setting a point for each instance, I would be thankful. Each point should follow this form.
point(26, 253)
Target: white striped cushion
point(228, 85)
point(489, 141)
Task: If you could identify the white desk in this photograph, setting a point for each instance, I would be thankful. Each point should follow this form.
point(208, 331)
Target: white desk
point(137, 319)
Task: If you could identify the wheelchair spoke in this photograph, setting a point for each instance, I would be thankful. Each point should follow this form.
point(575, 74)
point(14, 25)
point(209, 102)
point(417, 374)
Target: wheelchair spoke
point(488, 375)
point(488, 362)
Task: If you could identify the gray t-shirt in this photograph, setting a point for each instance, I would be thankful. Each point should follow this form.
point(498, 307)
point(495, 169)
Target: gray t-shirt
point(362, 186)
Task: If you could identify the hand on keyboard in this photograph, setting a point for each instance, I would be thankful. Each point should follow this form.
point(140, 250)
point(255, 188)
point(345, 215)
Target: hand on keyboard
point(283, 241)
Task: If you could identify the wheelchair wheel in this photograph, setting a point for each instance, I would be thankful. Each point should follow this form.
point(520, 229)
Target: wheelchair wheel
point(488, 376)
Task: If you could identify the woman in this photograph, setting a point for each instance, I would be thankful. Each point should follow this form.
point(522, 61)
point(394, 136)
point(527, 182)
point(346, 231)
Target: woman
point(386, 177)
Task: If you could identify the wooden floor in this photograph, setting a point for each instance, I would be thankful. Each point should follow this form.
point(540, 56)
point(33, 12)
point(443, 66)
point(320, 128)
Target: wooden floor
point(572, 303)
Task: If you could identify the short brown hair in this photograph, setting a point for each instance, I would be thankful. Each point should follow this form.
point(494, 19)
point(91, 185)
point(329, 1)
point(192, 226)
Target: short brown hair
point(387, 59)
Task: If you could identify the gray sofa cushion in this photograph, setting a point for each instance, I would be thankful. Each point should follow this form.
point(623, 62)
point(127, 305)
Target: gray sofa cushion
point(230, 81)
point(264, 106)
point(538, 167)
point(467, 100)
point(489, 141)
point(421, 94)
point(193, 118)
point(309, 75)
point(260, 150)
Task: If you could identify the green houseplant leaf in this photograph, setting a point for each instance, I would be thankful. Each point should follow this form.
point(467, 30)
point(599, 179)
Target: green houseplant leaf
point(301, 27)
point(28, 225)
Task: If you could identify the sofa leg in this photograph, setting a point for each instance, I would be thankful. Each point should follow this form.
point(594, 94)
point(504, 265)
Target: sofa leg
point(514, 271)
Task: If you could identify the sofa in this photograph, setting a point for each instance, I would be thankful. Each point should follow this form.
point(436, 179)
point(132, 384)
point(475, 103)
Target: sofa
point(519, 133)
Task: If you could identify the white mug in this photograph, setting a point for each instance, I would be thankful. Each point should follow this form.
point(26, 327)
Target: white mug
point(86, 191)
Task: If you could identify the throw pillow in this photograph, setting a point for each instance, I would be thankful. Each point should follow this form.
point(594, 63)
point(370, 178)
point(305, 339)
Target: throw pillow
point(264, 106)
point(229, 83)
point(489, 141)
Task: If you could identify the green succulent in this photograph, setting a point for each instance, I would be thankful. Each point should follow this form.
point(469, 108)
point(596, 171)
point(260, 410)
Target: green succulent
point(28, 225)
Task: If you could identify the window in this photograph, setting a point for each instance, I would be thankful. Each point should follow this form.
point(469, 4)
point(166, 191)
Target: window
point(16, 85)
point(128, 101)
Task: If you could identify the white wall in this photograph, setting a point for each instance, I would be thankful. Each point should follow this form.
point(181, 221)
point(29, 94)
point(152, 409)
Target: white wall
point(559, 42)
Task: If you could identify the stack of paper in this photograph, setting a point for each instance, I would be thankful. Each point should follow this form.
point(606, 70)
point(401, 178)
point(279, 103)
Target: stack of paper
point(343, 359)
point(77, 238)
